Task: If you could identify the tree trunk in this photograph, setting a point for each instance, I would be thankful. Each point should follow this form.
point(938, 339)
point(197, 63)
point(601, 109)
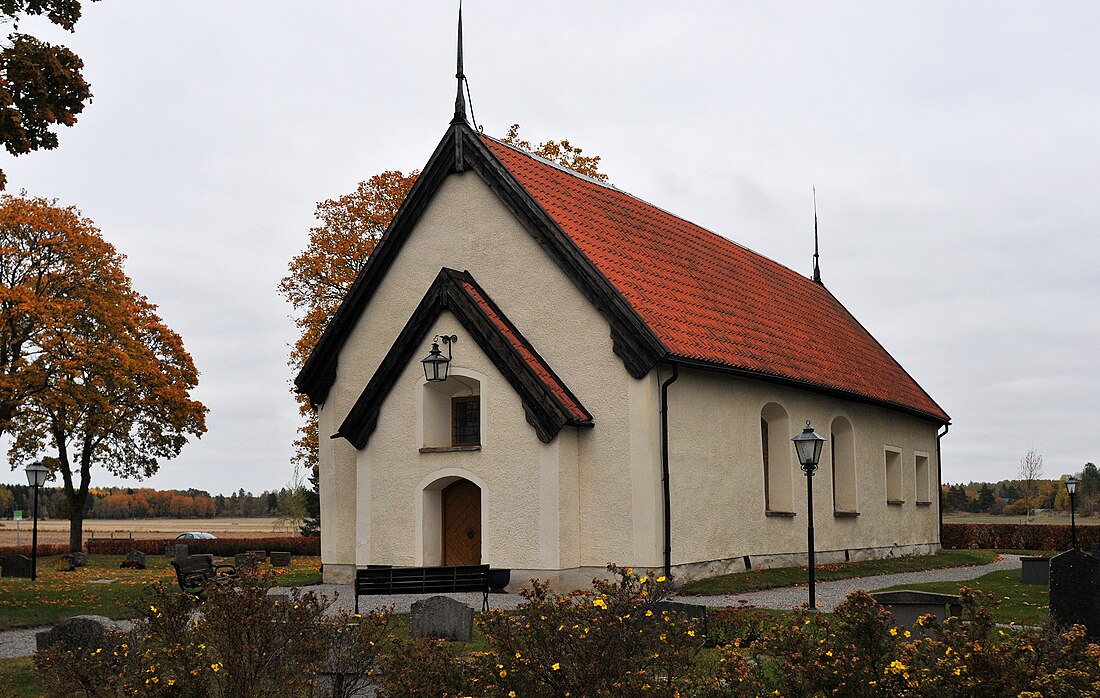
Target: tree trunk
point(76, 522)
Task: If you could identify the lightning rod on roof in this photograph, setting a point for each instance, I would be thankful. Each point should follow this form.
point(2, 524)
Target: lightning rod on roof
point(817, 268)
point(460, 100)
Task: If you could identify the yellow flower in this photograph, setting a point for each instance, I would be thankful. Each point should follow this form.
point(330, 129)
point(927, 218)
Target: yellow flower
point(216, 666)
point(691, 633)
point(908, 634)
point(660, 579)
point(643, 580)
point(648, 614)
point(555, 666)
point(503, 673)
point(511, 694)
point(518, 655)
point(893, 631)
point(599, 603)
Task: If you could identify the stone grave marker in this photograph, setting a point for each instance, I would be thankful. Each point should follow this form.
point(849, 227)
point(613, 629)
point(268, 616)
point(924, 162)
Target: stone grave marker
point(691, 610)
point(16, 566)
point(135, 560)
point(170, 550)
point(87, 632)
point(180, 552)
point(261, 555)
point(906, 606)
point(80, 558)
point(1073, 591)
point(245, 561)
point(280, 559)
point(442, 617)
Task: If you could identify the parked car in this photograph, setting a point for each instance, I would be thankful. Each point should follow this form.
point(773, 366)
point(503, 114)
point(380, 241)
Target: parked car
point(196, 535)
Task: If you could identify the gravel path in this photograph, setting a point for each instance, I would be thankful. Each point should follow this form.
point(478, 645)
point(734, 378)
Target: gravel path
point(20, 643)
point(829, 594)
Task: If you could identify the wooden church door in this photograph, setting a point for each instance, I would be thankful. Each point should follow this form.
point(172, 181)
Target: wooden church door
point(462, 524)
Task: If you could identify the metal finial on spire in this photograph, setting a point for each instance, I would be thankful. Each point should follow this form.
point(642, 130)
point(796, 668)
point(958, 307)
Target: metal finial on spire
point(817, 269)
point(460, 100)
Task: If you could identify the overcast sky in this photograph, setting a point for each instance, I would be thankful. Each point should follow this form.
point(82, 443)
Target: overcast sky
point(955, 148)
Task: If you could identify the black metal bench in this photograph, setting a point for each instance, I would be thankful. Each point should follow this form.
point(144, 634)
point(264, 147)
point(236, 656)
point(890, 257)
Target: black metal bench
point(194, 572)
point(378, 579)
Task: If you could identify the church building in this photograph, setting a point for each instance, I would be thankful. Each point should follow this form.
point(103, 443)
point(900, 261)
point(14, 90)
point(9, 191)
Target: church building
point(621, 386)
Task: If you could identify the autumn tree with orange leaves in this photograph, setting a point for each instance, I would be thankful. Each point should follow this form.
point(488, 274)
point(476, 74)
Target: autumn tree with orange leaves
point(90, 372)
point(350, 226)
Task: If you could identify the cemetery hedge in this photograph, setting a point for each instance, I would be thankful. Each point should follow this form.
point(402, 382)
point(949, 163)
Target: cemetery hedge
point(1012, 536)
point(43, 549)
point(222, 547)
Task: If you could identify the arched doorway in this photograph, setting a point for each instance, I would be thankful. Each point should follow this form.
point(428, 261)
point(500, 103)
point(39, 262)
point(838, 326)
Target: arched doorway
point(461, 535)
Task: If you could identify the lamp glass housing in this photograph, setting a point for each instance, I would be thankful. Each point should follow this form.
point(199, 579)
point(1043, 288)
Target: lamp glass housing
point(435, 365)
point(808, 445)
point(1071, 485)
point(36, 474)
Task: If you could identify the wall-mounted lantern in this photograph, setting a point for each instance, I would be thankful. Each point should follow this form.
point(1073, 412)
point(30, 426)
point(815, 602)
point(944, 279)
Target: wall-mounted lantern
point(435, 364)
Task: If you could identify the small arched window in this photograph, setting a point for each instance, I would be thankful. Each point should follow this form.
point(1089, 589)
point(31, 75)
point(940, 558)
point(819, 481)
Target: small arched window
point(842, 449)
point(775, 444)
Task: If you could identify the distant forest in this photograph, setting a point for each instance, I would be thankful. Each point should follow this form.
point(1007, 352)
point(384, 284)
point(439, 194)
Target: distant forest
point(1009, 497)
point(144, 503)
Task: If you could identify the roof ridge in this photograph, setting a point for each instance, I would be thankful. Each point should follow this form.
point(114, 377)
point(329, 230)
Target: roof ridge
point(612, 187)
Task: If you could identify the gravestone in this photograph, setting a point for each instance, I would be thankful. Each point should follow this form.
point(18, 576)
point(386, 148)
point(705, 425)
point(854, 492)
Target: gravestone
point(1073, 591)
point(1035, 570)
point(907, 606)
point(180, 552)
point(442, 617)
point(135, 560)
point(261, 555)
point(279, 559)
point(16, 566)
point(170, 550)
point(698, 612)
point(87, 632)
point(78, 557)
point(245, 561)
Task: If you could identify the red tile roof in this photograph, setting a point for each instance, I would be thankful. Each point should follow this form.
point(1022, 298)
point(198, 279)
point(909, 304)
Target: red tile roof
point(712, 300)
point(533, 360)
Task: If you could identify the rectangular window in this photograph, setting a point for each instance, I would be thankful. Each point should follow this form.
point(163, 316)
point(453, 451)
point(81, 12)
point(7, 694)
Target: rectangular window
point(893, 477)
point(923, 486)
point(466, 421)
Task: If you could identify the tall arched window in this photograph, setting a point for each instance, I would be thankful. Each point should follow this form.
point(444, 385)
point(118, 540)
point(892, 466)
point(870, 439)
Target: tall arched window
point(775, 444)
point(842, 448)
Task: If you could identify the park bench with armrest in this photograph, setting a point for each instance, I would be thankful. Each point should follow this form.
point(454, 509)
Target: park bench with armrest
point(194, 572)
point(376, 580)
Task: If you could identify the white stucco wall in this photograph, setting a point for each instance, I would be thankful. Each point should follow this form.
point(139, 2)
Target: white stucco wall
point(605, 474)
point(718, 484)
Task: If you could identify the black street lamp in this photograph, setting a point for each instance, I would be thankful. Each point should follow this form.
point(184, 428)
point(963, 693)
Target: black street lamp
point(435, 364)
point(36, 477)
point(1071, 487)
point(808, 446)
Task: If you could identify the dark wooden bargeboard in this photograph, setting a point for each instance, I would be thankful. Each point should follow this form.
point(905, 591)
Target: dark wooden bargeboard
point(376, 581)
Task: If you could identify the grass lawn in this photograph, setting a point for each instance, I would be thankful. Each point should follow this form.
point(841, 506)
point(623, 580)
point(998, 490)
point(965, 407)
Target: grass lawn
point(17, 676)
point(1022, 604)
point(57, 595)
point(758, 580)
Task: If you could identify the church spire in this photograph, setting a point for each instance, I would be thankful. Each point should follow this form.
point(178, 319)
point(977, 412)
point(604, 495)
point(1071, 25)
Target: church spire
point(817, 269)
point(460, 101)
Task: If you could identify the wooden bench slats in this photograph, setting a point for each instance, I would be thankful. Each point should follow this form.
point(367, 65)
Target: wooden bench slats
point(376, 580)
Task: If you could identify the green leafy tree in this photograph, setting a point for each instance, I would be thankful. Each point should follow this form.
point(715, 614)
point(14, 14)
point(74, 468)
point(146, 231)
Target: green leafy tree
point(41, 85)
point(311, 499)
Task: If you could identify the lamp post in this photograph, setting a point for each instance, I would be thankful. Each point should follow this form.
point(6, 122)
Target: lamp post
point(36, 477)
point(435, 364)
point(808, 446)
point(1071, 487)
